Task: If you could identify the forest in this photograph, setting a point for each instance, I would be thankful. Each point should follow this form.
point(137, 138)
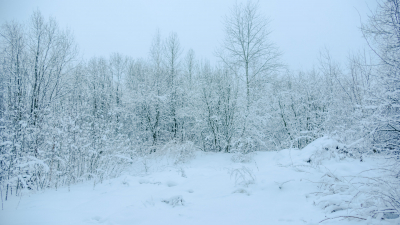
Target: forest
point(65, 120)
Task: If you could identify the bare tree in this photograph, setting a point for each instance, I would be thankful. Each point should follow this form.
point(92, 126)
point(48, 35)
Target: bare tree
point(247, 50)
point(383, 32)
point(218, 97)
point(156, 58)
point(190, 66)
point(51, 51)
point(173, 51)
point(118, 64)
point(383, 35)
point(13, 97)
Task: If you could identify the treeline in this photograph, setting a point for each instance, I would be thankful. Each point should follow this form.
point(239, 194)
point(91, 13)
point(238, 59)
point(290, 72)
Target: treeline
point(65, 120)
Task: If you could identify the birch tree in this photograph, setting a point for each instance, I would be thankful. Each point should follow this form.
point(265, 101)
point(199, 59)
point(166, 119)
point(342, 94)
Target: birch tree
point(247, 49)
point(253, 59)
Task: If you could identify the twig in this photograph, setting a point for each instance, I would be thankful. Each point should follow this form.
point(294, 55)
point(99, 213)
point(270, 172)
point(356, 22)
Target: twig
point(343, 217)
point(313, 181)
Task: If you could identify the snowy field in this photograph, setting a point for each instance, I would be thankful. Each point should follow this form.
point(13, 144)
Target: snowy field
point(309, 186)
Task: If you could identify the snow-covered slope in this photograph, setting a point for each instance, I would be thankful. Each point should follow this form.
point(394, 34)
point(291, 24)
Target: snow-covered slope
point(269, 188)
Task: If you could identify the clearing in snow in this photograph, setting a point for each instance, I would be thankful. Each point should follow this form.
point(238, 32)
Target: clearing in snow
point(308, 186)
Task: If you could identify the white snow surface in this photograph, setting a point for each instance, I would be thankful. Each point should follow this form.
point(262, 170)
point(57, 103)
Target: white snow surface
point(270, 188)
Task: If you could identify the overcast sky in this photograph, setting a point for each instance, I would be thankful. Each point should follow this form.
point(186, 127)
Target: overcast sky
point(300, 28)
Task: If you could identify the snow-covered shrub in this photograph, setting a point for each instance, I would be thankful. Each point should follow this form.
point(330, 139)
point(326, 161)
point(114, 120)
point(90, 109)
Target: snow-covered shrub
point(381, 190)
point(157, 158)
point(243, 176)
point(245, 145)
point(174, 201)
point(185, 153)
point(239, 157)
point(179, 152)
point(243, 149)
point(324, 148)
point(336, 193)
point(374, 193)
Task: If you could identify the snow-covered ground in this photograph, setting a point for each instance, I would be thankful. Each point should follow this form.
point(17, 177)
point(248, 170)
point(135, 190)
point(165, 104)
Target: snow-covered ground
point(285, 187)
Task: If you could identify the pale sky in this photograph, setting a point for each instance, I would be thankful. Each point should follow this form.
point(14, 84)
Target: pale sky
point(300, 28)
